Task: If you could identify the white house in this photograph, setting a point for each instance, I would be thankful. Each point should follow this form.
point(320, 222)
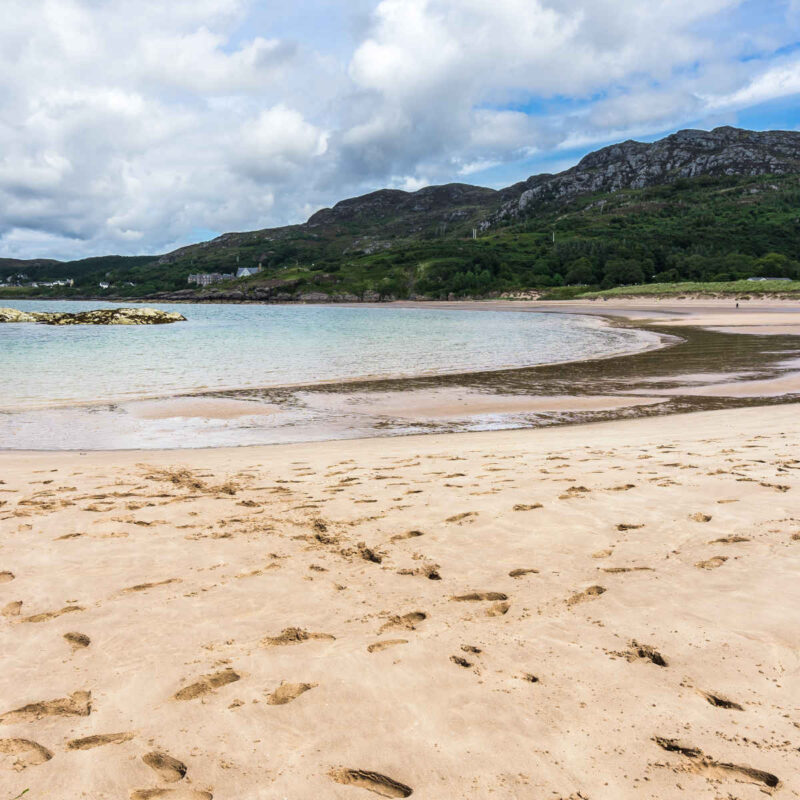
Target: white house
point(246, 272)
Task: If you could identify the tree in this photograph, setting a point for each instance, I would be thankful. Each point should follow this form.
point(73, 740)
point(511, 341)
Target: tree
point(775, 265)
point(622, 272)
point(580, 272)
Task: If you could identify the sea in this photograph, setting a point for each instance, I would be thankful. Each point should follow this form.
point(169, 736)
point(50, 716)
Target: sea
point(77, 387)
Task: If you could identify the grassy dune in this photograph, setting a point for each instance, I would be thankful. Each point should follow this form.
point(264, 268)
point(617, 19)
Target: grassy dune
point(791, 288)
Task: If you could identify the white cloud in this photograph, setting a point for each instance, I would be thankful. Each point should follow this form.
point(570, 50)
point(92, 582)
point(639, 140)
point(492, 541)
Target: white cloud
point(197, 62)
point(780, 81)
point(278, 142)
point(128, 125)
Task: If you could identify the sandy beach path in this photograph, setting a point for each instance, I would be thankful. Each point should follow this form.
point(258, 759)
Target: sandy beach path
point(598, 611)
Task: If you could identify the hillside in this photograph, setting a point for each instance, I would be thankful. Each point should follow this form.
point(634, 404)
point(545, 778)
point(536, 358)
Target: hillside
point(695, 206)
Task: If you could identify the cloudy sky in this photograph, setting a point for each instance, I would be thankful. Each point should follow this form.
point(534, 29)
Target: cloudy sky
point(136, 126)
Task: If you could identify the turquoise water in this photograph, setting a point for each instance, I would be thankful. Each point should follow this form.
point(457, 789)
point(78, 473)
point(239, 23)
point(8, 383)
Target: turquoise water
point(85, 387)
point(247, 346)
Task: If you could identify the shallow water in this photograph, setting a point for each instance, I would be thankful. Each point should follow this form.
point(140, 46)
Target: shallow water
point(437, 402)
point(84, 387)
point(244, 346)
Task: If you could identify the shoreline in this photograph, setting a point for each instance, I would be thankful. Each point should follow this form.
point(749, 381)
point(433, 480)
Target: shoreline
point(703, 362)
point(608, 321)
point(229, 453)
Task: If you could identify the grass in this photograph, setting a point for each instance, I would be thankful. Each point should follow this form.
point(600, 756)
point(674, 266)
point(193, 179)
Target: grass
point(706, 288)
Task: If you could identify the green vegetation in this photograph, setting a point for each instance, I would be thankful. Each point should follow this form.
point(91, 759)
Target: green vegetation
point(737, 288)
point(707, 230)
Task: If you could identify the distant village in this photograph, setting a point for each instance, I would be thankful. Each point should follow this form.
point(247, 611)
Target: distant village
point(23, 280)
point(199, 279)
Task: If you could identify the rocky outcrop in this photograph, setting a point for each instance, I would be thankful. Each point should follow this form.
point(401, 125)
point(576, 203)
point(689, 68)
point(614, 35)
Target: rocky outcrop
point(448, 202)
point(12, 315)
point(636, 165)
point(104, 316)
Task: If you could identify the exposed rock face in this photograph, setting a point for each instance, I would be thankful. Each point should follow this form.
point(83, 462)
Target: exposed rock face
point(636, 165)
point(105, 316)
point(451, 198)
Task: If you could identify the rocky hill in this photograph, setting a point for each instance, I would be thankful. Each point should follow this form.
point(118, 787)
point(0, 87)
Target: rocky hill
point(688, 205)
point(636, 165)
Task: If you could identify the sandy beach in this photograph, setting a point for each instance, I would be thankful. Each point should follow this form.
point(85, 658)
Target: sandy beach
point(606, 610)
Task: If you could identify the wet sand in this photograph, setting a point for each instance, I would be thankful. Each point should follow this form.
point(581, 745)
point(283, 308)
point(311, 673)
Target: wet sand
point(595, 611)
point(196, 407)
point(434, 404)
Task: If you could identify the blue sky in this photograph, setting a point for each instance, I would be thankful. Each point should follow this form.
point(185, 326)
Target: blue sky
point(137, 126)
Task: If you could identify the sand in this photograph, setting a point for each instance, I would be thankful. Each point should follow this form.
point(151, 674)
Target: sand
point(597, 611)
point(198, 407)
point(771, 387)
point(461, 403)
point(763, 316)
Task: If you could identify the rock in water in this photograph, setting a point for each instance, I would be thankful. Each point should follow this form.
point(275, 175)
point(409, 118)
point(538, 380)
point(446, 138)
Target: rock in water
point(12, 315)
point(104, 316)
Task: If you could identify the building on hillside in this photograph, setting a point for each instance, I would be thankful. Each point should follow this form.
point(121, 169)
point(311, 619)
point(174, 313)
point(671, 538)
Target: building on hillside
point(66, 282)
point(246, 272)
point(207, 278)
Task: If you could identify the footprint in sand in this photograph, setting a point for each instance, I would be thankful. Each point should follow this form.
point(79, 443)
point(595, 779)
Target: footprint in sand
point(170, 794)
point(6, 577)
point(99, 740)
point(586, 594)
point(730, 540)
point(77, 640)
point(167, 768)
point(19, 754)
point(720, 701)
point(12, 609)
point(207, 684)
point(48, 615)
point(460, 518)
point(622, 570)
point(143, 587)
point(408, 621)
point(712, 563)
point(645, 652)
point(78, 704)
point(574, 491)
point(429, 571)
point(700, 517)
point(409, 535)
point(371, 781)
point(376, 647)
point(287, 692)
point(704, 765)
point(480, 597)
point(294, 636)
